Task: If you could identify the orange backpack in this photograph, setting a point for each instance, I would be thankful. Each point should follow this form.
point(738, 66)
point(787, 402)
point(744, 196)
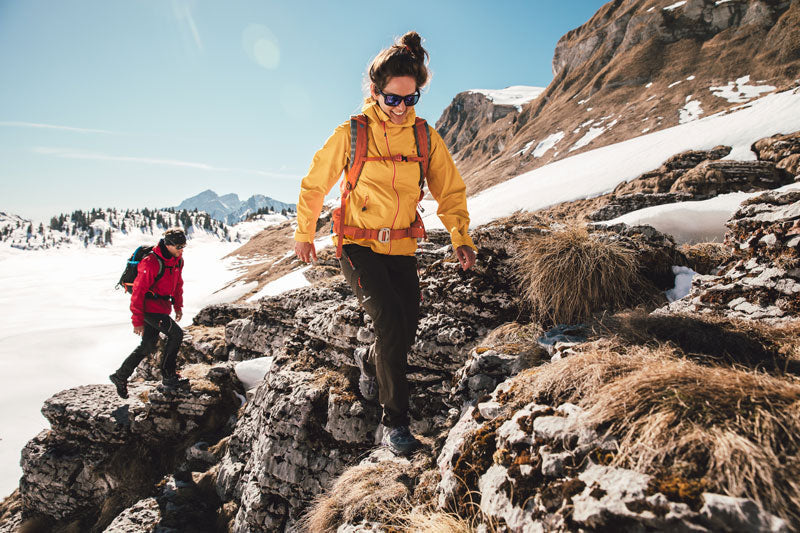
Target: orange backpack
point(358, 156)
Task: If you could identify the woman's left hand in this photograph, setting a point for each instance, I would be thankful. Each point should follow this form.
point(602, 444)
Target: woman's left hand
point(466, 256)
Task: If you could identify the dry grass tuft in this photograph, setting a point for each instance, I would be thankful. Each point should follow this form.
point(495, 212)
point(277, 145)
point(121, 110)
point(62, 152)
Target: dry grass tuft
point(420, 520)
point(706, 257)
point(738, 431)
point(363, 492)
point(732, 431)
point(569, 274)
point(708, 337)
point(517, 339)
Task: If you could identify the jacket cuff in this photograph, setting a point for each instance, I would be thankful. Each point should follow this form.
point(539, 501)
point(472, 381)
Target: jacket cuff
point(303, 237)
point(459, 239)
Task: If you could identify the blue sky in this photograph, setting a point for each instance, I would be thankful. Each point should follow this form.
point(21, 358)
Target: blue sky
point(112, 103)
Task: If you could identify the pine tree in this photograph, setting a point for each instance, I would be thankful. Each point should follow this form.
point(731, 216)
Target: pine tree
point(108, 236)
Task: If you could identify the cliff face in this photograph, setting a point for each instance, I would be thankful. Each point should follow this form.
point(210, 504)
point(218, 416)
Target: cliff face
point(635, 67)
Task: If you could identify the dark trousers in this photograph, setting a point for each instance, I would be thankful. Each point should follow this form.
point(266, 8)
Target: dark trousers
point(387, 286)
point(155, 323)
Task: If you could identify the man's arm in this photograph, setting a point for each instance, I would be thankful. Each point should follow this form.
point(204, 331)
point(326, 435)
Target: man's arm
point(147, 272)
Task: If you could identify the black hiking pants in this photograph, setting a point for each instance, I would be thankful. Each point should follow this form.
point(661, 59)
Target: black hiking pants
point(387, 286)
point(155, 323)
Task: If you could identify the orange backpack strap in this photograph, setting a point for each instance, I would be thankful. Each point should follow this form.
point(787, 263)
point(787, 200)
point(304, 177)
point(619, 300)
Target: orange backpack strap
point(358, 155)
point(423, 148)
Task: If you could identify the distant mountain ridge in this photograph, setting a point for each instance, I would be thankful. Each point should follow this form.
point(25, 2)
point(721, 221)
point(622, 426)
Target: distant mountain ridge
point(102, 227)
point(230, 209)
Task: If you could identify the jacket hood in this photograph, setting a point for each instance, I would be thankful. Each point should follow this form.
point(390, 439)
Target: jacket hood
point(376, 114)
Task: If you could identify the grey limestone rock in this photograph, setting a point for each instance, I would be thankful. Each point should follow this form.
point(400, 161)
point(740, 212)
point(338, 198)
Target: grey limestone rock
point(726, 513)
point(142, 517)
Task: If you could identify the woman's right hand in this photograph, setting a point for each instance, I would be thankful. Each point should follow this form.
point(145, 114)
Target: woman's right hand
point(305, 251)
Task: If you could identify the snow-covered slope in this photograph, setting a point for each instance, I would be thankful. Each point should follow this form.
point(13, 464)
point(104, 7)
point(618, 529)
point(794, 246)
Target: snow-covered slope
point(598, 171)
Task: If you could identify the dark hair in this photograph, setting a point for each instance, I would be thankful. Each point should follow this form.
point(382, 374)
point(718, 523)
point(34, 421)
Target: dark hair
point(406, 57)
point(174, 237)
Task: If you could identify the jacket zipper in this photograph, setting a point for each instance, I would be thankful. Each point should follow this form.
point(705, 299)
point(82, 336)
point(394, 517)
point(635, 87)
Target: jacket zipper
point(394, 176)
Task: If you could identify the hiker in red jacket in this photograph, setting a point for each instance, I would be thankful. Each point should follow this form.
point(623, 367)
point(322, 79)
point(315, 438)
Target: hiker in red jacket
point(152, 300)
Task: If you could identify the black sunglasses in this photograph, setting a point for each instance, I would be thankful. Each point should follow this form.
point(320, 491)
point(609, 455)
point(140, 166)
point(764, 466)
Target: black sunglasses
point(393, 100)
point(180, 246)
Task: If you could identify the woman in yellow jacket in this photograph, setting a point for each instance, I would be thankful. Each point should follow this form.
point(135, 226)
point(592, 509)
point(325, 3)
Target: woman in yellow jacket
point(381, 268)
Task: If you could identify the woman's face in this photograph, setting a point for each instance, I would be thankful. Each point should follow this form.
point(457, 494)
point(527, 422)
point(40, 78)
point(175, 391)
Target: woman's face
point(401, 86)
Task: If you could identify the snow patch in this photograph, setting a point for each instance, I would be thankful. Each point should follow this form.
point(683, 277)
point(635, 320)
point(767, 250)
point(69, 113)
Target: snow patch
point(739, 91)
point(516, 95)
point(292, 280)
point(253, 371)
point(549, 142)
point(691, 111)
point(593, 133)
point(691, 222)
point(683, 283)
point(525, 148)
point(674, 6)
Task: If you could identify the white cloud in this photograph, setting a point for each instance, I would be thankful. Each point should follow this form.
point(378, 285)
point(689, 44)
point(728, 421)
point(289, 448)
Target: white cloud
point(53, 127)
point(183, 13)
point(73, 154)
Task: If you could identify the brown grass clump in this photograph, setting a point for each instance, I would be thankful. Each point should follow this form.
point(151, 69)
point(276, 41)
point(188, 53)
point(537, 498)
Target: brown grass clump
point(363, 492)
point(706, 257)
point(569, 274)
point(732, 431)
point(710, 338)
point(740, 431)
point(420, 520)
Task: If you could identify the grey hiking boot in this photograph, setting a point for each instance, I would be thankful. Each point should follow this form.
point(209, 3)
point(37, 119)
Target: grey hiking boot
point(174, 382)
point(368, 385)
point(120, 384)
point(399, 440)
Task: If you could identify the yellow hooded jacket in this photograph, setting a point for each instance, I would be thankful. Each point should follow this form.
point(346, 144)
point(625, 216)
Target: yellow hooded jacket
point(387, 191)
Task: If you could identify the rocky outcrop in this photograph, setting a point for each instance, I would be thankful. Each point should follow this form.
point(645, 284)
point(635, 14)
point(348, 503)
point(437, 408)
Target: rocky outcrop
point(783, 150)
point(699, 175)
point(470, 114)
point(103, 453)
point(762, 281)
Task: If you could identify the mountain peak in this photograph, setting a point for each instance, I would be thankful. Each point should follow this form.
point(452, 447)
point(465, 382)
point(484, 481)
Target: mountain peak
point(229, 208)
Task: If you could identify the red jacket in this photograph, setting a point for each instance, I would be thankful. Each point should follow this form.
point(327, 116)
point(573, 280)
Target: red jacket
point(170, 284)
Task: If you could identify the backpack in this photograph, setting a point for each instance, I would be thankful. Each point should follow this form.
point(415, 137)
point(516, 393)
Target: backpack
point(132, 270)
point(358, 156)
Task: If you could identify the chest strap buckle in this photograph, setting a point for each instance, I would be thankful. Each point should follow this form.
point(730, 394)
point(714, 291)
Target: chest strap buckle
point(384, 235)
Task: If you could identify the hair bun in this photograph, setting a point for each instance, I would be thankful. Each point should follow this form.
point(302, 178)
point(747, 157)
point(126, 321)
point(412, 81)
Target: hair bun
point(412, 42)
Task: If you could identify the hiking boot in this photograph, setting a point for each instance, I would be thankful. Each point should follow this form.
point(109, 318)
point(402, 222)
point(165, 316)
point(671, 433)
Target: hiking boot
point(399, 440)
point(368, 385)
point(120, 384)
point(174, 382)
